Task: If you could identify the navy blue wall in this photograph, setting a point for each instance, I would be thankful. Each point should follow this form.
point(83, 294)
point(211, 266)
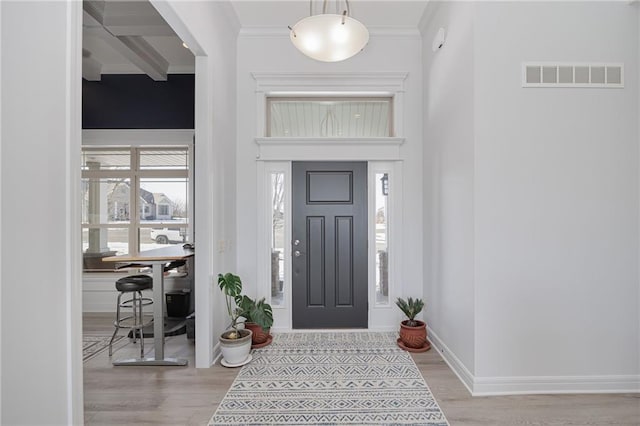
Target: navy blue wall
point(135, 101)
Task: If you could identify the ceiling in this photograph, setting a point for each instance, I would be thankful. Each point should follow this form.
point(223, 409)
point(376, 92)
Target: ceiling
point(130, 37)
point(372, 13)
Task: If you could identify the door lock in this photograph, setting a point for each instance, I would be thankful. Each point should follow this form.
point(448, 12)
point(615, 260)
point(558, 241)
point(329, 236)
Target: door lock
point(297, 253)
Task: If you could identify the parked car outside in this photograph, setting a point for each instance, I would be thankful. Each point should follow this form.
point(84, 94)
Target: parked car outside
point(168, 235)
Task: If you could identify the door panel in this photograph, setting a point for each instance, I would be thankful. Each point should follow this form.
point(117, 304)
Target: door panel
point(330, 258)
point(344, 261)
point(315, 261)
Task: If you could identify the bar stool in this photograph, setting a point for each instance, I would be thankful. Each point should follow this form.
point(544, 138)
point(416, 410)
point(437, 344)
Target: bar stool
point(133, 284)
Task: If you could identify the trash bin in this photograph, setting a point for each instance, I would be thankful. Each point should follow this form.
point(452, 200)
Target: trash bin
point(178, 303)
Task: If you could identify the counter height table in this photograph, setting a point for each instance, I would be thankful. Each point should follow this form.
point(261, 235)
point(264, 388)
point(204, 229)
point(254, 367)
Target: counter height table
point(157, 258)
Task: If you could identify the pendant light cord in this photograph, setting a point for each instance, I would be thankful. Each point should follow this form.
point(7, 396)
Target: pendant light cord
point(324, 7)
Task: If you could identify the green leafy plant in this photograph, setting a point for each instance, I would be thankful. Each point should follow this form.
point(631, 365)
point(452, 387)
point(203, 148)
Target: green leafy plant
point(231, 287)
point(410, 307)
point(259, 312)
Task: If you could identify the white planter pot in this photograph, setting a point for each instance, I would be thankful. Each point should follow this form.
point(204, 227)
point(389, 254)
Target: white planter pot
point(236, 351)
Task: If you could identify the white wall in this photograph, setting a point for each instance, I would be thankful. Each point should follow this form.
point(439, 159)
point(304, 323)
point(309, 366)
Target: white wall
point(275, 53)
point(41, 346)
point(449, 179)
point(210, 30)
point(1, 180)
point(555, 184)
point(637, 6)
point(556, 195)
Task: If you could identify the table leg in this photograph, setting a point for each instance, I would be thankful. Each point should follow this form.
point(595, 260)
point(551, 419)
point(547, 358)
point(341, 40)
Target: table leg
point(158, 310)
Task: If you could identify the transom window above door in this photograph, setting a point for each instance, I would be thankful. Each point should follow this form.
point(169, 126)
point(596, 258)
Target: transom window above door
point(330, 117)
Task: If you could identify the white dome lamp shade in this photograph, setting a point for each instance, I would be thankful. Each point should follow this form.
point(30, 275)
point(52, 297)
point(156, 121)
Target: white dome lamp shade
point(329, 37)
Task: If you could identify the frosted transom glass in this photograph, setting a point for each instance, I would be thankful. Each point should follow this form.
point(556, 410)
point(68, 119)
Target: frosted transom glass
point(331, 118)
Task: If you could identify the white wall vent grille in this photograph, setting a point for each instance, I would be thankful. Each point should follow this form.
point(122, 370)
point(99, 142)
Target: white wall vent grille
point(540, 74)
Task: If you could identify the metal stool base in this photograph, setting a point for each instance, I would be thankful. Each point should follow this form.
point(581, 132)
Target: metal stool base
point(136, 303)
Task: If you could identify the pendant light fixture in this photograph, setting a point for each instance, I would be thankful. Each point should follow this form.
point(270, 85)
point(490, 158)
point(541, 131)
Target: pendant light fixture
point(329, 37)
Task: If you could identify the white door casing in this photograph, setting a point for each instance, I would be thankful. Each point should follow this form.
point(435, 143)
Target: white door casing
point(382, 154)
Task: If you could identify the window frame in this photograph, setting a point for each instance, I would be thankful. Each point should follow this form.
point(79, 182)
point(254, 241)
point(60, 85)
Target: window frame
point(271, 98)
point(137, 141)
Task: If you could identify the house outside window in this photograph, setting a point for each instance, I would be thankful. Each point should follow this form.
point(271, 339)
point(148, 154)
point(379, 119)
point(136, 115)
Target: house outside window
point(153, 181)
point(163, 210)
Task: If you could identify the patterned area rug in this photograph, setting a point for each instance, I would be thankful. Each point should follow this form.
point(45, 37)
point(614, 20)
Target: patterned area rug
point(93, 345)
point(330, 378)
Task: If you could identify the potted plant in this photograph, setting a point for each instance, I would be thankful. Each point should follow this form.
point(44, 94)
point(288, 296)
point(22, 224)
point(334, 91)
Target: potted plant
point(413, 332)
point(259, 319)
point(235, 343)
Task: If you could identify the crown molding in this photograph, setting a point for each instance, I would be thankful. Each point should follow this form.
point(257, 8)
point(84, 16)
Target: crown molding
point(231, 18)
point(427, 16)
point(407, 32)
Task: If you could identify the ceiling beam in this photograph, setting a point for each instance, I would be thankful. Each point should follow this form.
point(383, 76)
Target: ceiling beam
point(141, 54)
point(126, 18)
point(132, 47)
point(91, 69)
point(137, 25)
point(95, 9)
point(145, 57)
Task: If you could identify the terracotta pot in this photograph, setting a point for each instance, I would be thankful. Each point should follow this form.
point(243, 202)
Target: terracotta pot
point(413, 337)
point(259, 335)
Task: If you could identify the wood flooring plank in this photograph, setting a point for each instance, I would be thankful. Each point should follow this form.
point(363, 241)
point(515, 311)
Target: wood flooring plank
point(190, 396)
point(515, 410)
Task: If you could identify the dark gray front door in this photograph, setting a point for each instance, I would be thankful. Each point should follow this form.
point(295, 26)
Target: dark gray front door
point(329, 245)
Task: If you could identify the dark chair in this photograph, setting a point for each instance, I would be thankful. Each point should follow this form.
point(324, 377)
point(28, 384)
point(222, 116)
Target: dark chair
point(133, 284)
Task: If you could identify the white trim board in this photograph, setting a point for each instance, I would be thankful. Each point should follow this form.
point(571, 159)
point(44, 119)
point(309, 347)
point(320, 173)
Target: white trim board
point(341, 149)
point(73, 243)
point(530, 385)
point(137, 137)
point(451, 359)
point(328, 84)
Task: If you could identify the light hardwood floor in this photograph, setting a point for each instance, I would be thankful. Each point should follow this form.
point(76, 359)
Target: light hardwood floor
point(189, 396)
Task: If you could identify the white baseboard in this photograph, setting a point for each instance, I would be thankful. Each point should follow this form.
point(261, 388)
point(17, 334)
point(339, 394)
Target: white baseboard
point(529, 385)
point(333, 330)
point(452, 360)
point(485, 386)
point(216, 353)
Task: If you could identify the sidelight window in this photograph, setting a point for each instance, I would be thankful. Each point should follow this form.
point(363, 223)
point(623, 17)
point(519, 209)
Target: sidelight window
point(382, 238)
point(277, 201)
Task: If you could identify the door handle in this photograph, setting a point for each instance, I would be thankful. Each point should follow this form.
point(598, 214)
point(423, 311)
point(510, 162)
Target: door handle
point(297, 253)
